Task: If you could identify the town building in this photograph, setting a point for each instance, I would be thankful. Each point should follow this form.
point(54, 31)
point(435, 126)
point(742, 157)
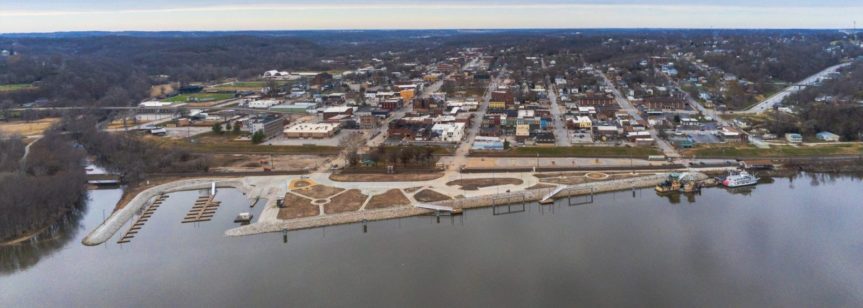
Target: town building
point(262, 104)
point(270, 125)
point(450, 132)
point(312, 130)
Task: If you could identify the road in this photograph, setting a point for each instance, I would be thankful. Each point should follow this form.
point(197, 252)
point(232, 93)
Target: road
point(663, 144)
point(777, 98)
point(23, 160)
point(460, 157)
point(561, 134)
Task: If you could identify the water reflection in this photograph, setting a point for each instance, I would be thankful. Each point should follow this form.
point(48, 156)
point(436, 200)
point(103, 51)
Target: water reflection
point(767, 248)
point(26, 254)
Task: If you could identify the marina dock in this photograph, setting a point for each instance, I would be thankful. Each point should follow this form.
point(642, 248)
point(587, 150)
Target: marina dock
point(145, 216)
point(203, 210)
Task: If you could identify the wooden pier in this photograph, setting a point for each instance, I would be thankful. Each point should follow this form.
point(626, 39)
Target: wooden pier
point(203, 210)
point(148, 212)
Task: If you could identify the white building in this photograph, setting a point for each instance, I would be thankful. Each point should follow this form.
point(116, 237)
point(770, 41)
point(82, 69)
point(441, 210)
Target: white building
point(449, 132)
point(156, 104)
point(263, 103)
point(311, 130)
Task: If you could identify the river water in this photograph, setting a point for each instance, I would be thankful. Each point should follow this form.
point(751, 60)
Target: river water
point(793, 242)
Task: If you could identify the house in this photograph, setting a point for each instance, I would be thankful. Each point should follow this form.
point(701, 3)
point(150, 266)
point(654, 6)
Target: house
point(312, 130)
point(270, 125)
point(794, 138)
point(827, 136)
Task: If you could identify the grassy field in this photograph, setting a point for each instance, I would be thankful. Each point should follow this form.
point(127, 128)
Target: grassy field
point(15, 87)
point(582, 151)
point(751, 151)
point(27, 128)
point(190, 98)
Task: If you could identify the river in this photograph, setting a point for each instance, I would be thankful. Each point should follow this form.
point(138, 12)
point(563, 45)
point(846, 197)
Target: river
point(792, 242)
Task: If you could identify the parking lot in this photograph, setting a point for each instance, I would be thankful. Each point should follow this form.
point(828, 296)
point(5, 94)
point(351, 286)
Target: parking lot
point(583, 136)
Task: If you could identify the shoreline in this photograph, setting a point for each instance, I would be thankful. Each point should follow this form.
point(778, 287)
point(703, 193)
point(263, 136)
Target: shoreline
point(271, 189)
point(532, 195)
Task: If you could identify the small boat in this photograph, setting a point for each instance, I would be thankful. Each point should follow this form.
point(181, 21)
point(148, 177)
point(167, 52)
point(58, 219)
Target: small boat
point(691, 187)
point(243, 217)
point(671, 185)
point(739, 179)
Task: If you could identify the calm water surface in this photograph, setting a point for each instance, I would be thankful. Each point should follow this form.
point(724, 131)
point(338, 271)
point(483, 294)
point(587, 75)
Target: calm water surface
point(789, 243)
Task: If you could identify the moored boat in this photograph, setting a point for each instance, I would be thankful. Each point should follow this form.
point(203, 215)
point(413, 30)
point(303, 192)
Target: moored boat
point(739, 179)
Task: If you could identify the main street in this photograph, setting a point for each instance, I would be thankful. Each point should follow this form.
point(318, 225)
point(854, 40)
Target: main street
point(561, 134)
point(666, 147)
point(460, 157)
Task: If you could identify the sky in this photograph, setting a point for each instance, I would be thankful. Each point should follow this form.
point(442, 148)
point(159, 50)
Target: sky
point(18, 16)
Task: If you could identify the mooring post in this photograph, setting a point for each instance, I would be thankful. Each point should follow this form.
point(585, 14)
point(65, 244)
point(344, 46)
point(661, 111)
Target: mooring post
point(285, 236)
point(365, 226)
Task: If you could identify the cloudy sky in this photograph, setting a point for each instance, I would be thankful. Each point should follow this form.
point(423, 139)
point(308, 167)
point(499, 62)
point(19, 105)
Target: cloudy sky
point(157, 15)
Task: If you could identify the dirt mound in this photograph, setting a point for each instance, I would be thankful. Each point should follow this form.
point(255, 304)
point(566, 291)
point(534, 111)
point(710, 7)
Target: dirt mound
point(474, 184)
point(389, 199)
point(428, 195)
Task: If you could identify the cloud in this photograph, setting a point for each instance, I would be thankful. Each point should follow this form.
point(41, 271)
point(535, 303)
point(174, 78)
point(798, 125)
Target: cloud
point(419, 15)
point(394, 6)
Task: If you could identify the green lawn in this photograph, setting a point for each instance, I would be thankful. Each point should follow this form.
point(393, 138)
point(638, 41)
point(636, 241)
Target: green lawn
point(15, 87)
point(581, 151)
point(750, 151)
point(201, 97)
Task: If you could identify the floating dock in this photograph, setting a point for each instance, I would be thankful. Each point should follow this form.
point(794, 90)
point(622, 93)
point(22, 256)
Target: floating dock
point(139, 223)
point(203, 210)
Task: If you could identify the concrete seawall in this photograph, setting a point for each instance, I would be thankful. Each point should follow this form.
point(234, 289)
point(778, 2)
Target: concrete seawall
point(466, 203)
point(110, 226)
